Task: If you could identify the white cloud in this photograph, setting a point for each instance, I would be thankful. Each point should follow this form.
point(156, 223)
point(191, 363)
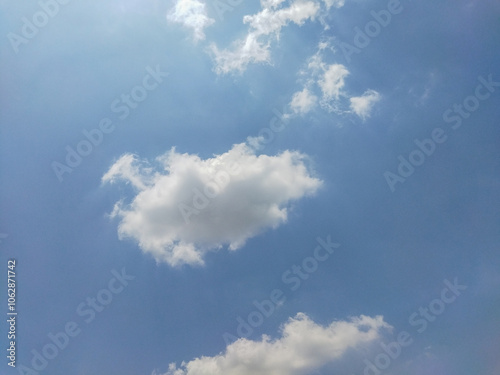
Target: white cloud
point(303, 347)
point(332, 81)
point(192, 205)
point(192, 14)
point(362, 105)
point(329, 78)
point(327, 82)
point(264, 26)
point(320, 80)
point(129, 169)
point(303, 101)
point(271, 20)
point(270, 3)
point(244, 52)
point(334, 3)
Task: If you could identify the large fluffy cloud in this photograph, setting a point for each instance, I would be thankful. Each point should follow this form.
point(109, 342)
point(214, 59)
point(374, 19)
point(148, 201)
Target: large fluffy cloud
point(304, 347)
point(191, 14)
point(189, 205)
point(263, 28)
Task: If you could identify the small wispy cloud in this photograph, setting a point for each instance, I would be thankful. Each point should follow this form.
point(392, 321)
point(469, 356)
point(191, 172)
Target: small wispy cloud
point(325, 84)
point(303, 101)
point(264, 28)
point(191, 14)
point(362, 105)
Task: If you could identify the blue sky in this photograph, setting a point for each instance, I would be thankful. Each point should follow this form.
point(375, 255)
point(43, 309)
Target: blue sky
point(254, 133)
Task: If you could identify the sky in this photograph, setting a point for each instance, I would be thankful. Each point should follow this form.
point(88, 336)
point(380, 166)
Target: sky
point(234, 187)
